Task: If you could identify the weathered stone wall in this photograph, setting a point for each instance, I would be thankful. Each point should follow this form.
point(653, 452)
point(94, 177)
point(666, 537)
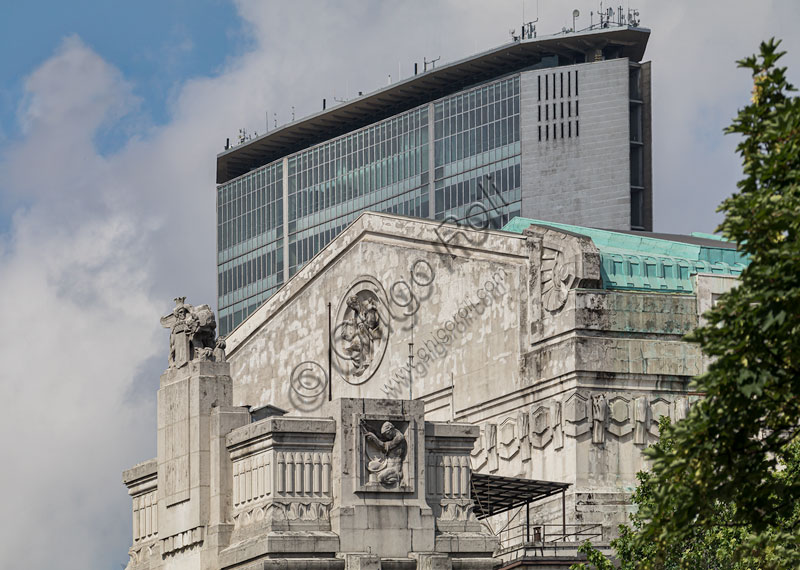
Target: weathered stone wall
point(566, 380)
point(457, 299)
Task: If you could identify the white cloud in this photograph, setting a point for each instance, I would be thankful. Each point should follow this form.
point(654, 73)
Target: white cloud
point(104, 241)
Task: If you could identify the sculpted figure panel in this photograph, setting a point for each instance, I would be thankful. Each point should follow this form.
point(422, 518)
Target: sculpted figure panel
point(384, 454)
point(361, 333)
point(599, 408)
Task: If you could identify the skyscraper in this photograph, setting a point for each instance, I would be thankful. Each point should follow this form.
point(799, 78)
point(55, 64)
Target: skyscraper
point(554, 128)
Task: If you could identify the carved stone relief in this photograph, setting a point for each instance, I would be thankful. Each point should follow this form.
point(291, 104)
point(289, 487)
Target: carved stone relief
point(558, 277)
point(541, 432)
point(523, 424)
point(599, 413)
point(619, 416)
point(576, 415)
point(479, 455)
point(384, 454)
point(491, 447)
point(361, 333)
point(557, 423)
point(658, 407)
point(640, 420)
point(193, 334)
point(509, 443)
point(681, 408)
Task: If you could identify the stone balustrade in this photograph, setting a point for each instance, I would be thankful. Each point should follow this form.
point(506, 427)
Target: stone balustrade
point(142, 483)
point(282, 474)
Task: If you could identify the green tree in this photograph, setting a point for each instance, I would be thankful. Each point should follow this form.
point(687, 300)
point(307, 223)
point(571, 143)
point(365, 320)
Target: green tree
point(729, 449)
point(725, 482)
point(703, 549)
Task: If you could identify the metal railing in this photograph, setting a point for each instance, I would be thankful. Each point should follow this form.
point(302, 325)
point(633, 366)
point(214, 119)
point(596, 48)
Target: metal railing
point(535, 539)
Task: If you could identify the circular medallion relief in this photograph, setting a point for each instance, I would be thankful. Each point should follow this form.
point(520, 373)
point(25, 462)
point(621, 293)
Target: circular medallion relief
point(361, 331)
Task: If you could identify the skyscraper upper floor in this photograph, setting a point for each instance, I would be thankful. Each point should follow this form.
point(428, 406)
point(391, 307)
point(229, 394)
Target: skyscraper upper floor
point(553, 128)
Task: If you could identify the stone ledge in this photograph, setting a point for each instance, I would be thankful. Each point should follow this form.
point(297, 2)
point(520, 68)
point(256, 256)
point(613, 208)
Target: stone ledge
point(448, 429)
point(310, 427)
point(142, 470)
point(322, 543)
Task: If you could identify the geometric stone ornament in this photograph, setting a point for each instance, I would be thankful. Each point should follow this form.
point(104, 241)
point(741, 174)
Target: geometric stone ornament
point(576, 414)
point(542, 432)
point(658, 407)
point(479, 456)
point(509, 443)
point(619, 415)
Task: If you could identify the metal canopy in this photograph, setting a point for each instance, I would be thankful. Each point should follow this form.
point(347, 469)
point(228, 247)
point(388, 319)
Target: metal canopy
point(420, 89)
point(492, 494)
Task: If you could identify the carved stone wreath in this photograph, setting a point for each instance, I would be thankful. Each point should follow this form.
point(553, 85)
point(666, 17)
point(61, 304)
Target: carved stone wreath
point(361, 331)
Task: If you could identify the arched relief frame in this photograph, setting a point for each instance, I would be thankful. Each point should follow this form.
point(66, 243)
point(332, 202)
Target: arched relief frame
point(361, 330)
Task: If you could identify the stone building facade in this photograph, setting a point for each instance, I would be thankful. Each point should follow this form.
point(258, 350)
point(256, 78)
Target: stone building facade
point(542, 351)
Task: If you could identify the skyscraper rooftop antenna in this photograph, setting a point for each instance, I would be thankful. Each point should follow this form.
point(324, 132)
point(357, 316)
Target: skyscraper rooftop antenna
point(528, 29)
point(432, 62)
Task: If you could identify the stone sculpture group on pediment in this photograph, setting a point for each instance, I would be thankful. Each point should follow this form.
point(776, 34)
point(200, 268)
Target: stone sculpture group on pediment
point(193, 334)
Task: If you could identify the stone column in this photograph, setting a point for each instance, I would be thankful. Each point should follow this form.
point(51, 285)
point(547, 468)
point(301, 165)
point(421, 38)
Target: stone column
point(186, 399)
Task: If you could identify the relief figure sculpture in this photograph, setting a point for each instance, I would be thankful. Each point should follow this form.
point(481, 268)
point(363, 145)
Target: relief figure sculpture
point(361, 332)
point(391, 447)
point(599, 418)
point(193, 334)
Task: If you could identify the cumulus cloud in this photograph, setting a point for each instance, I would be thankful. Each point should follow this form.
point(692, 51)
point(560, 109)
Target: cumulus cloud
point(100, 242)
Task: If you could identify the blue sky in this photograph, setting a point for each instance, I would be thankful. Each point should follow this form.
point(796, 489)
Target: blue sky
point(156, 44)
point(111, 115)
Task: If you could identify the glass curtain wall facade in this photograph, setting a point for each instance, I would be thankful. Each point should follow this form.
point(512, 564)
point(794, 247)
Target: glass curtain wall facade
point(383, 167)
point(249, 243)
point(477, 153)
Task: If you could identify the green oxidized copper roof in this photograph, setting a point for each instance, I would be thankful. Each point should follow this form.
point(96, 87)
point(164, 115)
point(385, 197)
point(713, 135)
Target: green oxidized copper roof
point(643, 263)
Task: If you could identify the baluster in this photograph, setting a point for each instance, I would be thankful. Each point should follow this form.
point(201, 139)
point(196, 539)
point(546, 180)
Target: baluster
point(267, 476)
point(147, 528)
point(242, 488)
point(136, 534)
point(155, 513)
point(456, 476)
point(248, 480)
point(289, 473)
point(439, 475)
point(430, 479)
point(281, 473)
point(259, 475)
point(326, 474)
point(236, 484)
point(298, 473)
point(465, 469)
point(143, 517)
point(448, 476)
point(317, 474)
point(308, 485)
